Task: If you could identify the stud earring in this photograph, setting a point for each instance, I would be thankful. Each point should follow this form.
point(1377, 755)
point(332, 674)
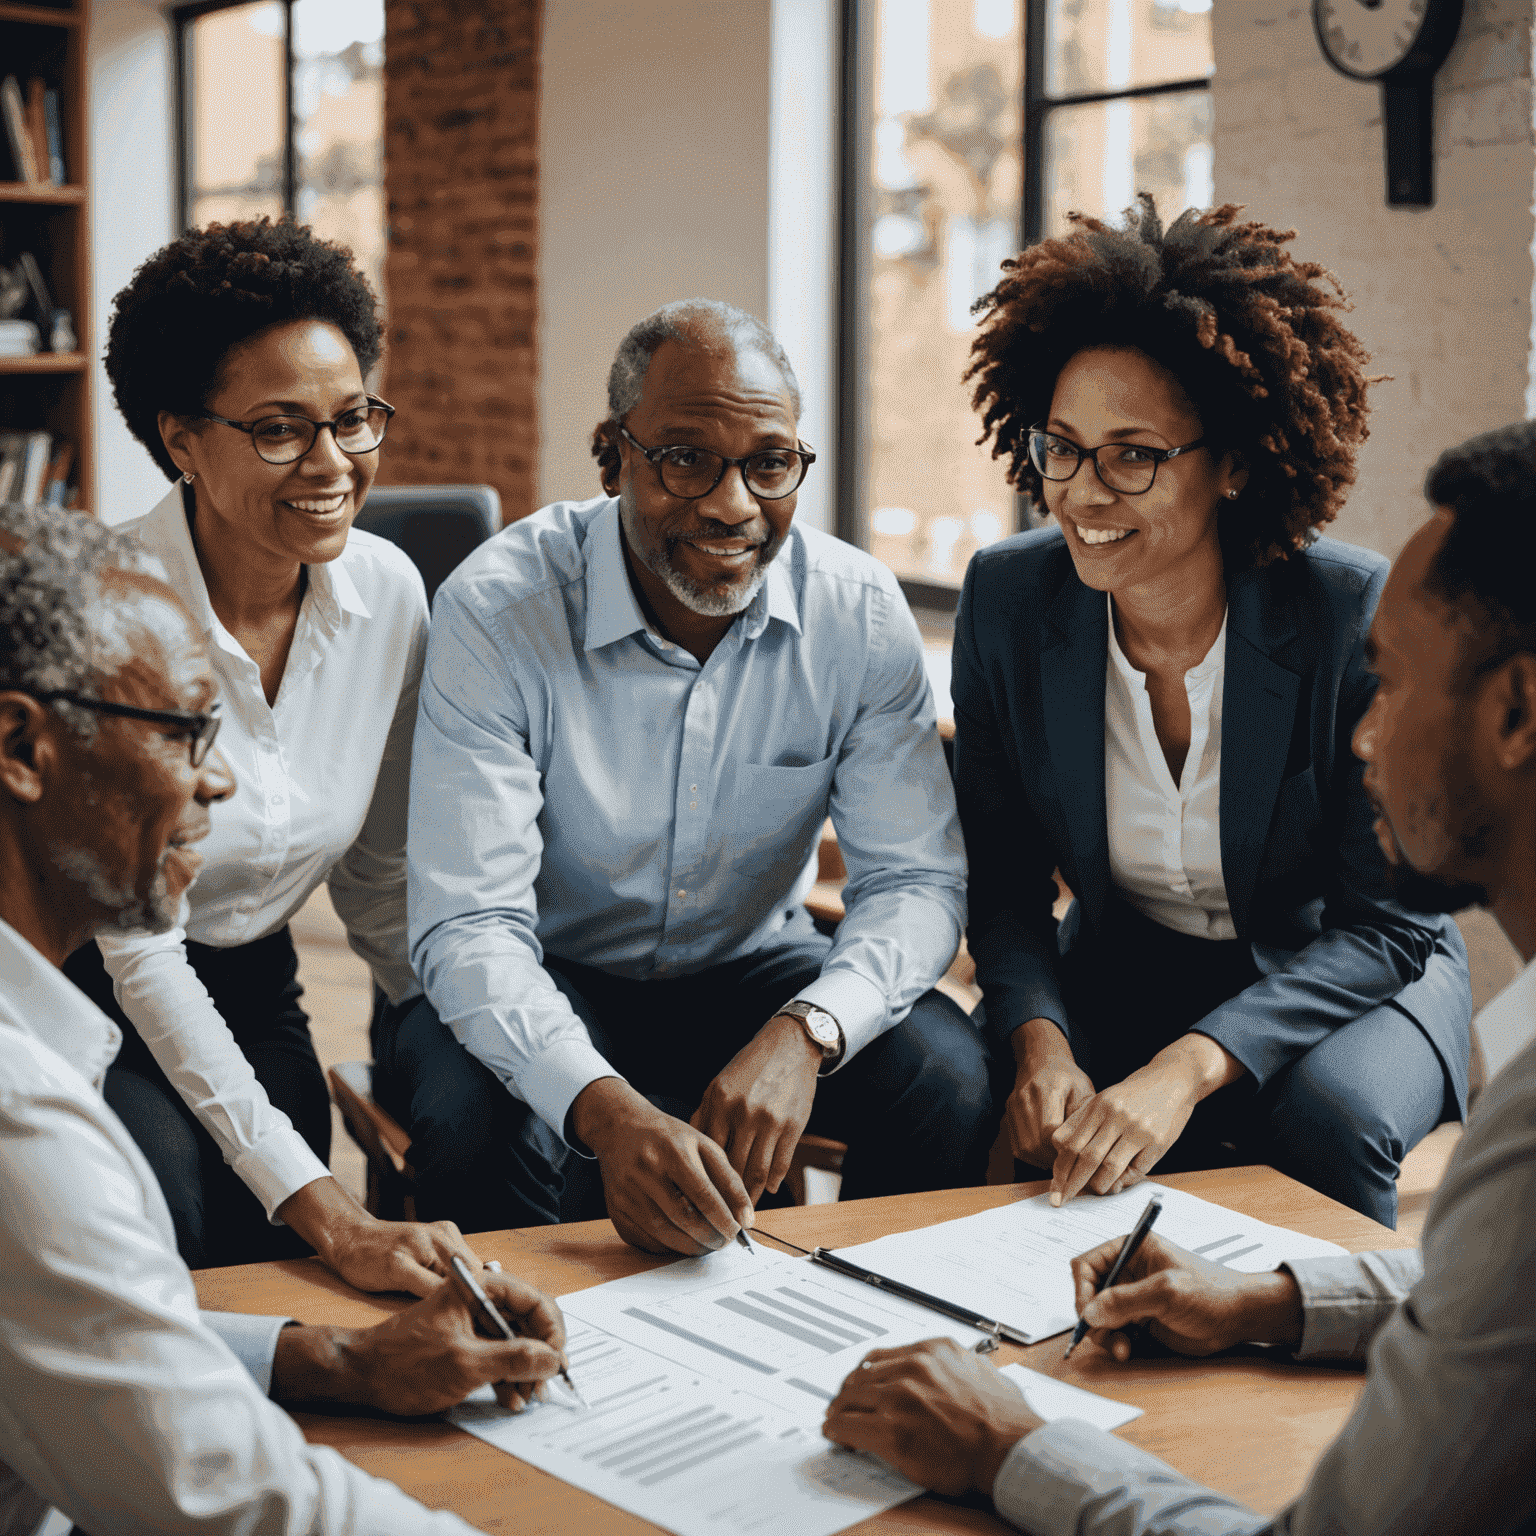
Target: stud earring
point(1231, 495)
point(189, 477)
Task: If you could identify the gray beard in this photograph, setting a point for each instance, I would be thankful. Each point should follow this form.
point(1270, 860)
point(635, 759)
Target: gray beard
point(711, 602)
point(155, 913)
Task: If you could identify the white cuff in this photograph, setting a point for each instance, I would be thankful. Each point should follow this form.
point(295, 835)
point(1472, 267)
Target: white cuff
point(549, 1083)
point(856, 1003)
point(251, 1340)
point(279, 1165)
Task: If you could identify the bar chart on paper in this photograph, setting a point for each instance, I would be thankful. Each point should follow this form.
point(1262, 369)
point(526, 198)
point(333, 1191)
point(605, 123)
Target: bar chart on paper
point(791, 1330)
point(689, 1452)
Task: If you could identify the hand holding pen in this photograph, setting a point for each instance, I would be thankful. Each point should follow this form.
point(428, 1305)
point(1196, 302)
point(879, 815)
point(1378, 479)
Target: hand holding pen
point(534, 1318)
point(1126, 1254)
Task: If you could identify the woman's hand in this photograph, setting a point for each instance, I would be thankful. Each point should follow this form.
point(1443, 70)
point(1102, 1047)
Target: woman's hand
point(1048, 1087)
point(371, 1254)
point(939, 1414)
point(1116, 1137)
point(1186, 1302)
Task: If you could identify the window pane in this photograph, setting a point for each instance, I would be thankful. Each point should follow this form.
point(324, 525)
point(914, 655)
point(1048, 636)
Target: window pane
point(338, 108)
point(1110, 45)
point(944, 204)
point(235, 157)
point(1098, 157)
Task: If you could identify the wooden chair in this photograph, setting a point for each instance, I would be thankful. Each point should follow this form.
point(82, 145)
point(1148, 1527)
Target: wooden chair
point(391, 1179)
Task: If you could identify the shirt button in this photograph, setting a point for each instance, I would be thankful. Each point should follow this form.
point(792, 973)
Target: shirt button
point(693, 805)
point(693, 789)
point(681, 894)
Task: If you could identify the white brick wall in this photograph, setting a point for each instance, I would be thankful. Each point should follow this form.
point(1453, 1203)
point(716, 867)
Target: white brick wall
point(1443, 295)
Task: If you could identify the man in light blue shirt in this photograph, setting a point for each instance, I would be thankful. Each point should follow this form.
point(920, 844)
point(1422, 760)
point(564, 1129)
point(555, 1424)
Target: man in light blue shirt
point(636, 715)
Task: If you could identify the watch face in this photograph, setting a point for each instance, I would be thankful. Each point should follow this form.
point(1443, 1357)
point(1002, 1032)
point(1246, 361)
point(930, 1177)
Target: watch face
point(1367, 40)
point(823, 1027)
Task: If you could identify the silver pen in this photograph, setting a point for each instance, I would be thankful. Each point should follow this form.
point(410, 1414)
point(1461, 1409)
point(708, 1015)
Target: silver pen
point(495, 1321)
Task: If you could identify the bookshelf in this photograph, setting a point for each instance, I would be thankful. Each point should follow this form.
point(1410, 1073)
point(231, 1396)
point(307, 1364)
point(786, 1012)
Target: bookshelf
point(52, 391)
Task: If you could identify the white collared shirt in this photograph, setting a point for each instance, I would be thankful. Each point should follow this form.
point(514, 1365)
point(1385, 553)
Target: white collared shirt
point(119, 1404)
point(323, 784)
point(1165, 837)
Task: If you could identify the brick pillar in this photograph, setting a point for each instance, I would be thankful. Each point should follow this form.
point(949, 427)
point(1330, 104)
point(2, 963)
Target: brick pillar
point(461, 113)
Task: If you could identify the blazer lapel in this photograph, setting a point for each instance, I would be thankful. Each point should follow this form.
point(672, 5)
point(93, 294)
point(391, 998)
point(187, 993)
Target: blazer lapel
point(1257, 714)
point(1072, 663)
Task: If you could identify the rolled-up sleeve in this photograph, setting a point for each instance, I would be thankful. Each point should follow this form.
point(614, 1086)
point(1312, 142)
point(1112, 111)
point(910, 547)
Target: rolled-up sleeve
point(893, 807)
point(162, 995)
point(474, 853)
point(368, 883)
point(1346, 1298)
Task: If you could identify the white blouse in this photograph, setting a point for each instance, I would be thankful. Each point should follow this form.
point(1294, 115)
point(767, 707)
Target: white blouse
point(323, 781)
point(1165, 838)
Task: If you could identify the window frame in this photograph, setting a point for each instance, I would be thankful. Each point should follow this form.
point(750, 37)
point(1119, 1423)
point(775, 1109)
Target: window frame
point(1039, 104)
point(182, 17)
point(854, 116)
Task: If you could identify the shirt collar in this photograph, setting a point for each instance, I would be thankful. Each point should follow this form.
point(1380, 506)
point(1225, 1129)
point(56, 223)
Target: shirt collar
point(36, 992)
point(613, 613)
point(167, 534)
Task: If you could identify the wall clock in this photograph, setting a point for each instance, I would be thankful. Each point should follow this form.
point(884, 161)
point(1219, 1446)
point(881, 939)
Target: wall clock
point(1399, 44)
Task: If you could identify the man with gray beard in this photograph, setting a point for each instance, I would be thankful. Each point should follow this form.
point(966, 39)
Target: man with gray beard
point(637, 713)
point(121, 1404)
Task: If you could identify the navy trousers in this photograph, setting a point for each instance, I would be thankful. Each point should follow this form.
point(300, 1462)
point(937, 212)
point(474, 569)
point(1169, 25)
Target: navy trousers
point(1340, 1118)
point(918, 1107)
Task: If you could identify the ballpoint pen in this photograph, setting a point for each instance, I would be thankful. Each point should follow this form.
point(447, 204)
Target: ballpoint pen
point(495, 1321)
point(1127, 1253)
point(741, 1237)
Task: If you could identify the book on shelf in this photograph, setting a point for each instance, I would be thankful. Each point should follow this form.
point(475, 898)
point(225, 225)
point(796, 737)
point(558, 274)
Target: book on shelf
point(37, 129)
point(35, 469)
point(18, 136)
point(38, 286)
point(54, 130)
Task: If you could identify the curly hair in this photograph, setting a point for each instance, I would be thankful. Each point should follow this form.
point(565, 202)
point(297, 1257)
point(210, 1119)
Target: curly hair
point(1252, 335)
point(199, 297)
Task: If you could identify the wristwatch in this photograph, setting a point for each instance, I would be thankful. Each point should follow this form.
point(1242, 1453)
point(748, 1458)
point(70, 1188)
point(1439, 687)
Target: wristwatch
point(824, 1031)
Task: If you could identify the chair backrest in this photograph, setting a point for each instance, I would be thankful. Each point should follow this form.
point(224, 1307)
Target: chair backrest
point(436, 525)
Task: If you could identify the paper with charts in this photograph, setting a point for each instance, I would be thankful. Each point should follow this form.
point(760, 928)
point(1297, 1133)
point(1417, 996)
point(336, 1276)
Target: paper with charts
point(1012, 1263)
point(707, 1381)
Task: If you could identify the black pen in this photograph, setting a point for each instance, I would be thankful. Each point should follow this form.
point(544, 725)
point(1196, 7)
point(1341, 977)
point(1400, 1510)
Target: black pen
point(494, 1320)
point(1127, 1253)
point(741, 1237)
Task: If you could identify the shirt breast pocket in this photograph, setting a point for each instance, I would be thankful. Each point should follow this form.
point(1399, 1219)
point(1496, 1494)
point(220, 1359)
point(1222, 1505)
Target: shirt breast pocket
point(782, 807)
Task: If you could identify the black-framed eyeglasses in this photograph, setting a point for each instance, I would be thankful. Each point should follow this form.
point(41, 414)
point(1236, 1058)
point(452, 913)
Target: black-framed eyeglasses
point(286, 439)
point(200, 728)
point(688, 473)
point(1129, 468)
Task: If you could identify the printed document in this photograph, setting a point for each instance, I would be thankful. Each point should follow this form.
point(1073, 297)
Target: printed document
point(707, 1381)
point(1013, 1263)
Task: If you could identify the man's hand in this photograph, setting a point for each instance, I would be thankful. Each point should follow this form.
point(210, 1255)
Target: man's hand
point(939, 1414)
point(1188, 1303)
point(371, 1254)
point(427, 1357)
point(669, 1188)
point(758, 1105)
point(1048, 1086)
point(1116, 1137)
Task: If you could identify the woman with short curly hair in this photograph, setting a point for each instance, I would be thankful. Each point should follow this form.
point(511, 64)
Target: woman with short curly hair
point(238, 355)
point(1156, 698)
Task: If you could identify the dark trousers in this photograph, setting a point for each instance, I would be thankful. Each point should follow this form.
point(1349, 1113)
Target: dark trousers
point(1340, 1118)
point(255, 987)
point(917, 1107)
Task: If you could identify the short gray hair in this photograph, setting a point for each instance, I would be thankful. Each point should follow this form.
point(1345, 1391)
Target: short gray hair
point(688, 320)
point(51, 568)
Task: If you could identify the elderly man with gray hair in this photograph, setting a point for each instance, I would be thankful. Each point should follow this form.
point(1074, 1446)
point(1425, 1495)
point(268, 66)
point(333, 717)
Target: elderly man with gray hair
point(120, 1403)
point(637, 713)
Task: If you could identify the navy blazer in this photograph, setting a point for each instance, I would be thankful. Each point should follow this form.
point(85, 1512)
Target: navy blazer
point(1306, 880)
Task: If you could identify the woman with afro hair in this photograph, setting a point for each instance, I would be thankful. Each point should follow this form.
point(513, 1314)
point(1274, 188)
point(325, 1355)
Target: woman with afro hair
point(238, 355)
point(1156, 698)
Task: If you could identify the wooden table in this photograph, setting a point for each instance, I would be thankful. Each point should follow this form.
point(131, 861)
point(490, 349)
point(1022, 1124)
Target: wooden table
point(1251, 1427)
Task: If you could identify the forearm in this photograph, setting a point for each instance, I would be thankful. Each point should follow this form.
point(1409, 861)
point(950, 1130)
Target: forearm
point(319, 1364)
point(325, 1215)
point(1068, 1477)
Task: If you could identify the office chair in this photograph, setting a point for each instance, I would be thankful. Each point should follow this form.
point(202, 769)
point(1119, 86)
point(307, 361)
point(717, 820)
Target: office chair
point(436, 525)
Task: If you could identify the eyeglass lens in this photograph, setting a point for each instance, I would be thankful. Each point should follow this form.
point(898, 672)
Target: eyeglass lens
point(282, 439)
point(693, 472)
point(1121, 466)
point(202, 743)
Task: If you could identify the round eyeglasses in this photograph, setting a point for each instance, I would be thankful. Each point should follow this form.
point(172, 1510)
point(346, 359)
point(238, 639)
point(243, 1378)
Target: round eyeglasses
point(1129, 468)
point(286, 439)
point(199, 729)
point(688, 473)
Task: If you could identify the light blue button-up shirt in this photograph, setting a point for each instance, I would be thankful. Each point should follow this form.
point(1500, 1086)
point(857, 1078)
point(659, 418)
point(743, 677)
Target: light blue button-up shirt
point(584, 787)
